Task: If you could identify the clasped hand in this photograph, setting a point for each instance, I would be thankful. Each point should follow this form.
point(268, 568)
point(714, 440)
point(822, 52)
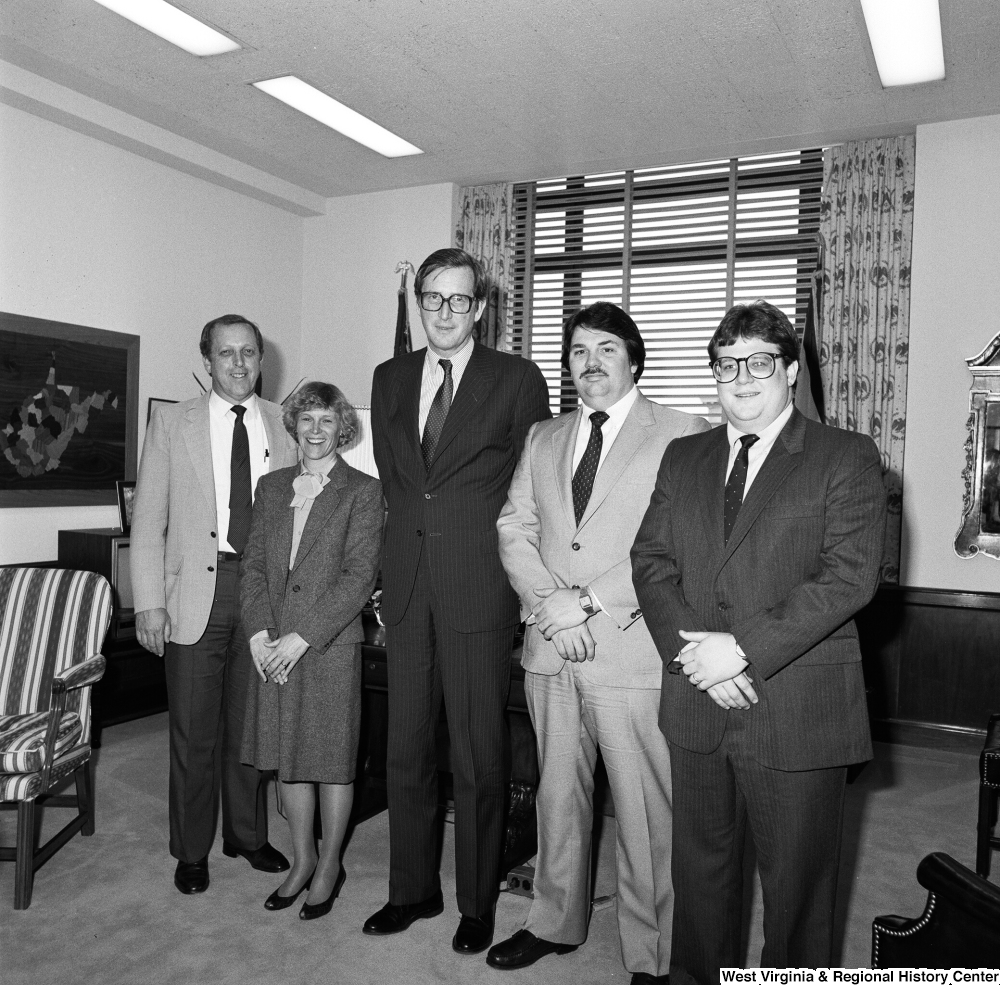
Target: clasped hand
point(561, 619)
point(274, 659)
point(712, 663)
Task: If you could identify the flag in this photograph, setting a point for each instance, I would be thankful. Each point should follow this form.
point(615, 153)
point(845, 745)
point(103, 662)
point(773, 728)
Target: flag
point(403, 343)
point(809, 388)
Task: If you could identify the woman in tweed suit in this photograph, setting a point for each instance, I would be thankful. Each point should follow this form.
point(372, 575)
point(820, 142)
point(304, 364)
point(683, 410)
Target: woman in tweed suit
point(309, 566)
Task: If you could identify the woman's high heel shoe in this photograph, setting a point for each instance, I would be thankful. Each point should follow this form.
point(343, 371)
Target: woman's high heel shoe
point(278, 902)
point(310, 911)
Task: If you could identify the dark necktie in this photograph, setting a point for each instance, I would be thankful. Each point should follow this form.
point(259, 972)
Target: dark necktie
point(240, 498)
point(736, 484)
point(437, 415)
point(583, 478)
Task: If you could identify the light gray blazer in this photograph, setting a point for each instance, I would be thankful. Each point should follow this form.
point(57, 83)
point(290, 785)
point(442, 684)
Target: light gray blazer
point(542, 546)
point(175, 536)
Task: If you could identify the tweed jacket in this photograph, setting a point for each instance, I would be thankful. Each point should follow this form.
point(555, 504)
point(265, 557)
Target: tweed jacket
point(175, 540)
point(450, 511)
point(541, 545)
point(321, 596)
point(802, 559)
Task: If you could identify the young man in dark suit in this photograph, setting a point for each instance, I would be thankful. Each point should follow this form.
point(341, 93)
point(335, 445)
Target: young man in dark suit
point(762, 540)
point(448, 423)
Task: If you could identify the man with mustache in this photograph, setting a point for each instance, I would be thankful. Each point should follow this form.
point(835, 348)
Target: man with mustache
point(592, 673)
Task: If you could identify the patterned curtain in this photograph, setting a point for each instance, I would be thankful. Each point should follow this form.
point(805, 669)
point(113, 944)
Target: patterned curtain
point(866, 223)
point(486, 230)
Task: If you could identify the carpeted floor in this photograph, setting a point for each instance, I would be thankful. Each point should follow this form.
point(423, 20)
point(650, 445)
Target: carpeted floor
point(105, 909)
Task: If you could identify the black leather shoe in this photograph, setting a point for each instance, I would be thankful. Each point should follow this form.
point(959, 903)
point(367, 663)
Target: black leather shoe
point(392, 919)
point(278, 902)
point(474, 934)
point(645, 978)
point(522, 949)
point(192, 877)
point(310, 911)
point(267, 858)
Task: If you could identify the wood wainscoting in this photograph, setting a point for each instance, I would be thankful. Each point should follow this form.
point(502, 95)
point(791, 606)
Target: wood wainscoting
point(932, 665)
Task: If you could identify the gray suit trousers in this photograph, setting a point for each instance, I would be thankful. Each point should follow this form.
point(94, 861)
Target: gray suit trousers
point(572, 719)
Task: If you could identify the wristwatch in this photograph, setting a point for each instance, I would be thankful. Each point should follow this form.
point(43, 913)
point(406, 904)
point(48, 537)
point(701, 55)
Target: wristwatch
point(586, 602)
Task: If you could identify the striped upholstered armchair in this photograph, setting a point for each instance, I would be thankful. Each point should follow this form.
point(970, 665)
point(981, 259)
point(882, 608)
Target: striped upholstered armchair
point(52, 625)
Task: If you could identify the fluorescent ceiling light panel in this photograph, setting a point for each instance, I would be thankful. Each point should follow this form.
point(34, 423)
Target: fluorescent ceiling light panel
point(906, 40)
point(309, 100)
point(173, 25)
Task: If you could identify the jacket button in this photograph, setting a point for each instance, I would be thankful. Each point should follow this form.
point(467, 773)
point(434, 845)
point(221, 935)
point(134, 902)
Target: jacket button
point(213, 533)
point(575, 587)
point(723, 606)
point(427, 495)
point(576, 547)
point(210, 568)
point(295, 588)
point(420, 533)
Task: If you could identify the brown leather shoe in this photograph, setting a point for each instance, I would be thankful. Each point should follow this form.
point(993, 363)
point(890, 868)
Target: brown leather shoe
point(393, 919)
point(522, 949)
point(474, 934)
point(267, 858)
point(192, 877)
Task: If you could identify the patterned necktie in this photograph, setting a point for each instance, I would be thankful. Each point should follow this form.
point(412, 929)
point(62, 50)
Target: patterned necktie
point(737, 482)
point(437, 415)
point(583, 478)
point(240, 498)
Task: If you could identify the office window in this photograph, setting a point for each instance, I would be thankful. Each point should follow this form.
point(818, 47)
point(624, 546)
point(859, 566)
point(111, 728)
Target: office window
point(676, 247)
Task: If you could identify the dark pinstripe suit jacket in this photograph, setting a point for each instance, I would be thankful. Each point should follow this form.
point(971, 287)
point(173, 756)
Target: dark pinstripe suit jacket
point(451, 511)
point(803, 558)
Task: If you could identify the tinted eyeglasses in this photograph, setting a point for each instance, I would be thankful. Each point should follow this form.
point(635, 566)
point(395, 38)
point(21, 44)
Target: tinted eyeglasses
point(760, 365)
point(459, 304)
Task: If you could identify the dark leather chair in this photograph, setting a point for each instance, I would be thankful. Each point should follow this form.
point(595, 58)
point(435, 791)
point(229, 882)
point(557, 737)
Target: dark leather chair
point(989, 795)
point(959, 928)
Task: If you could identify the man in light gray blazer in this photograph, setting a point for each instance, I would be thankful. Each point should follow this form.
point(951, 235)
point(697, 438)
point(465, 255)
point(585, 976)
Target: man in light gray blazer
point(200, 463)
point(592, 676)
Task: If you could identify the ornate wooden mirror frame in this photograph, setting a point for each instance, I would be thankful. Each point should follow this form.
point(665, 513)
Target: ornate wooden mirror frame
point(980, 530)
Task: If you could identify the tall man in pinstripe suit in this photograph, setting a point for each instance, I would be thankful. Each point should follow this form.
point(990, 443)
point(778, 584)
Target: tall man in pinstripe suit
point(762, 540)
point(448, 423)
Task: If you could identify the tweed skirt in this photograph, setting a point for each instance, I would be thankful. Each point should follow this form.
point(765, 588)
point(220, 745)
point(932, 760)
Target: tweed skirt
point(306, 730)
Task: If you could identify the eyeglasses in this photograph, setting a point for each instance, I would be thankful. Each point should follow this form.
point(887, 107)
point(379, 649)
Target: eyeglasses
point(760, 365)
point(459, 304)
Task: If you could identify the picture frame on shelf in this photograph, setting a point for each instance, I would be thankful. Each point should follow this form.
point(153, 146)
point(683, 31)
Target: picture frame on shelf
point(126, 497)
point(155, 402)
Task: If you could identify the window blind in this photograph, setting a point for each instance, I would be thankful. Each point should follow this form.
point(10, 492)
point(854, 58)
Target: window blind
point(676, 247)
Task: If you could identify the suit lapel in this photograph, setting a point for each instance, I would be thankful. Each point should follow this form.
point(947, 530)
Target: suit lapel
point(273, 428)
point(713, 488)
point(405, 415)
point(631, 437)
point(322, 508)
point(283, 522)
point(477, 381)
point(563, 441)
point(197, 434)
point(781, 460)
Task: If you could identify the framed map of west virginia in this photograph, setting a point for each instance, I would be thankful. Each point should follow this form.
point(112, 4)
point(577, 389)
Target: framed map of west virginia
point(69, 398)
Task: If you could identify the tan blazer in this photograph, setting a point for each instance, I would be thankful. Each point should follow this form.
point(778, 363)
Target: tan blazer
point(541, 545)
point(175, 539)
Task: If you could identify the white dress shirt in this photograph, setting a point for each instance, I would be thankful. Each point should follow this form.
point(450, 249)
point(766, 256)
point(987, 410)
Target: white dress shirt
point(766, 438)
point(221, 423)
point(433, 377)
point(617, 413)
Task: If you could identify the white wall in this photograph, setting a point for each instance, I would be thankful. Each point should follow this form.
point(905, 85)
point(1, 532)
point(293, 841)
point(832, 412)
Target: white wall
point(954, 302)
point(98, 236)
point(349, 284)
